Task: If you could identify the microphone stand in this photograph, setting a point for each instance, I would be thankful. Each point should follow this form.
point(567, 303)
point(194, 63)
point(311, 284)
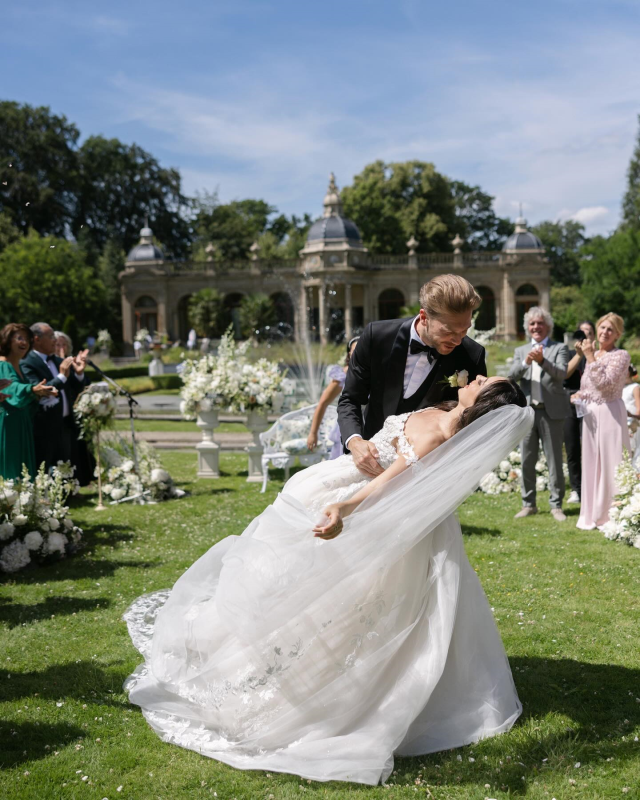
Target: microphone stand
point(132, 402)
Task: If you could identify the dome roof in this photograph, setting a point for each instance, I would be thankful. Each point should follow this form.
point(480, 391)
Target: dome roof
point(334, 228)
point(145, 250)
point(333, 224)
point(522, 239)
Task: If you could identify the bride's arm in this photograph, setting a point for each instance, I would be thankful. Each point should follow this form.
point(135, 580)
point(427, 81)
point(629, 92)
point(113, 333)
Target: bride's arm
point(337, 511)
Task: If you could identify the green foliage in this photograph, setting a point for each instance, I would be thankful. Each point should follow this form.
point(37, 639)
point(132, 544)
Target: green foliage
point(563, 242)
point(48, 280)
point(477, 221)
point(257, 314)
point(120, 187)
point(39, 167)
point(8, 231)
point(206, 312)
point(611, 276)
point(110, 264)
point(231, 228)
point(569, 308)
point(410, 311)
point(631, 199)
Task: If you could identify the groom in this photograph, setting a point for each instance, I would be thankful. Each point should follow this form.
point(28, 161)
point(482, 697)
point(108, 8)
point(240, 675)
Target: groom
point(402, 365)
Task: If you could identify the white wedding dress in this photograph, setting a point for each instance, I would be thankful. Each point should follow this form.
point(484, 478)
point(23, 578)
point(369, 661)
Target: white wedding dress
point(280, 651)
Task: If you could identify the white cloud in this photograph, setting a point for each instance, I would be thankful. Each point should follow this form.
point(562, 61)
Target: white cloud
point(586, 216)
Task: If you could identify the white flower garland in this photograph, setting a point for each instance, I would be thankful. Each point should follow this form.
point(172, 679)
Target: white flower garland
point(506, 476)
point(120, 479)
point(34, 520)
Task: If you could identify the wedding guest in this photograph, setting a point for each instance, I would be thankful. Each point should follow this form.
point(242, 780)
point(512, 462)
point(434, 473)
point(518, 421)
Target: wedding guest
point(192, 339)
point(541, 367)
point(53, 427)
point(19, 403)
point(337, 377)
point(604, 429)
point(631, 400)
point(573, 423)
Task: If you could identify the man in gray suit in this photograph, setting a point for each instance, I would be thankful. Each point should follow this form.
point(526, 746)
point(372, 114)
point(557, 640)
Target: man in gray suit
point(541, 368)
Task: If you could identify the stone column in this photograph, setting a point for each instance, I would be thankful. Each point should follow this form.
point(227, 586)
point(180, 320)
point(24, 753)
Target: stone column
point(509, 306)
point(301, 319)
point(322, 313)
point(545, 297)
point(128, 323)
point(348, 326)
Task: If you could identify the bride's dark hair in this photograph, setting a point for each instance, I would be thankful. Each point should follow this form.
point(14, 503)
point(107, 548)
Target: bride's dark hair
point(495, 395)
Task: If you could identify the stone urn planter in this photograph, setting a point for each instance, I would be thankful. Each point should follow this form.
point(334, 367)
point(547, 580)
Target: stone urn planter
point(257, 423)
point(208, 450)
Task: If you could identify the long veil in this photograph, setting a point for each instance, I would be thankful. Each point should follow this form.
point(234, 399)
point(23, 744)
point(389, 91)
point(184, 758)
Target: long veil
point(283, 652)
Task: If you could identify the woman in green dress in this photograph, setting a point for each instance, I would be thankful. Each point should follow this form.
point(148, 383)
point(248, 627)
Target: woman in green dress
point(21, 397)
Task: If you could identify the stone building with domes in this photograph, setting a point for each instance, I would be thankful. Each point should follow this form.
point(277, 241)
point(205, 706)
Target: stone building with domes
point(335, 286)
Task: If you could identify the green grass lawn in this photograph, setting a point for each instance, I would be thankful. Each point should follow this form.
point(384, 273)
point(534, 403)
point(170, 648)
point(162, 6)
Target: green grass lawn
point(177, 426)
point(566, 602)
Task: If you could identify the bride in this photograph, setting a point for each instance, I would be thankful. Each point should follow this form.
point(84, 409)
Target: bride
point(278, 650)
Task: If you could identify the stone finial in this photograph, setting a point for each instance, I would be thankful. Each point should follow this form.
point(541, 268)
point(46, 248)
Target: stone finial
point(457, 244)
point(210, 250)
point(332, 203)
point(412, 244)
point(255, 251)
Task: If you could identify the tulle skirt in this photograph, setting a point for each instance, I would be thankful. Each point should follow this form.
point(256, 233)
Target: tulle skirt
point(282, 652)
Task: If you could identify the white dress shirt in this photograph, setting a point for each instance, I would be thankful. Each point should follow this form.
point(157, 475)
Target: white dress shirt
point(52, 401)
point(536, 375)
point(416, 370)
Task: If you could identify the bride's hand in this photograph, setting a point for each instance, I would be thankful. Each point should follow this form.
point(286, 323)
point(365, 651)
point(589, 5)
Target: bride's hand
point(332, 526)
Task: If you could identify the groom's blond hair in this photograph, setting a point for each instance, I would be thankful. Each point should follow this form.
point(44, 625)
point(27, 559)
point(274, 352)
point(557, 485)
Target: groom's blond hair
point(448, 294)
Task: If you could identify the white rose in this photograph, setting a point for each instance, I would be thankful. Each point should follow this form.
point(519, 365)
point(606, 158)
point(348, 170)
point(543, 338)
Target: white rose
point(505, 466)
point(54, 524)
point(127, 465)
point(14, 556)
point(68, 524)
point(6, 530)
point(107, 488)
point(118, 494)
point(56, 542)
point(160, 476)
point(33, 540)
point(20, 519)
point(463, 378)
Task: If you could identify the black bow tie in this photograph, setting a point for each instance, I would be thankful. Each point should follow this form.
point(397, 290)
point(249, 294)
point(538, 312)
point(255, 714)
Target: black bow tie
point(49, 358)
point(416, 347)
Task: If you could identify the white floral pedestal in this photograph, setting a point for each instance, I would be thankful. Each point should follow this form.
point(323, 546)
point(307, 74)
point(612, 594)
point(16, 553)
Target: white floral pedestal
point(257, 424)
point(208, 450)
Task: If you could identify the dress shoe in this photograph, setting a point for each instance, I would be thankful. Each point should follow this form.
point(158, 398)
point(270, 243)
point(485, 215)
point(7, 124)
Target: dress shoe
point(558, 514)
point(574, 497)
point(526, 511)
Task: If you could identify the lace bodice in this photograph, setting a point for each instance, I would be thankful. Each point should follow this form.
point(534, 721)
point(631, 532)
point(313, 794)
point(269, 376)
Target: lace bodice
point(392, 441)
point(604, 379)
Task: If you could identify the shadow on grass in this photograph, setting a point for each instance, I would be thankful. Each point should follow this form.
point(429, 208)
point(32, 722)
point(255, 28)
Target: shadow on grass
point(596, 699)
point(26, 741)
point(15, 614)
point(478, 530)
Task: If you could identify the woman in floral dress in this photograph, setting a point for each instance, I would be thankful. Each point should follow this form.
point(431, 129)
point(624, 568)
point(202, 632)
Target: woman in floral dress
point(604, 432)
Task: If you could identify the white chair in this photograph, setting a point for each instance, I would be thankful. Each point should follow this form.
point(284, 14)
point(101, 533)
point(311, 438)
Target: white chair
point(286, 440)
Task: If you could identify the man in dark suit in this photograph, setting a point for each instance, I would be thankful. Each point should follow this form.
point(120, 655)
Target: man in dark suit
point(403, 364)
point(54, 424)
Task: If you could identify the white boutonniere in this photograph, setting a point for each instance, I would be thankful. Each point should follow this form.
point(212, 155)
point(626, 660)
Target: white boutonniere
point(458, 380)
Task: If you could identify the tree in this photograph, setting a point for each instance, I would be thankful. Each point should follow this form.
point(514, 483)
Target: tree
point(206, 312)
point(48, 280)
point(110, 265)
point(611, 276)
point(122, 186)
point(39, 172)
point(631, 199)
point(231, 227)
point(8, 231)
point(569, 309)
point(563, 242)
point(391, 202)
point(478, 223)
point(257, 316)
point(284, 237)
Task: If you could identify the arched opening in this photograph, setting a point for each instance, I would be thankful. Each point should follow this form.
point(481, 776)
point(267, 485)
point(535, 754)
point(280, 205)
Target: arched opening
point(527, 296)
point(285, 314)
point(486, 318)
point(232, 312)
point(390, 301)
point(184, 326)
point(146, 314)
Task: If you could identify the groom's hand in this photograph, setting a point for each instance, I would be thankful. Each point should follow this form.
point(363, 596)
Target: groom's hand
point(364, 457)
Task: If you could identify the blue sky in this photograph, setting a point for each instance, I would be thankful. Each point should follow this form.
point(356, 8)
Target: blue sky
point(536, 103)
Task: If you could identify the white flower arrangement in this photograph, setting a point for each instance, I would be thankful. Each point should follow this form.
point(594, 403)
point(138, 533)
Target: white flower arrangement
point(506, 476)
point(230, 381)
point(34, 520)
point(624, 514)
point(95, 409)
point(120, 479)
point(142, 336)
point(104, 340)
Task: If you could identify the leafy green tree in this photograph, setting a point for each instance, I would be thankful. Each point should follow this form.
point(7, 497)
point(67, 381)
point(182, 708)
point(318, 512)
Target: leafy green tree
point(569, 308)
point(110, 265)
point(391, 202)
point(611, 276)
point(39, 172)
point(284, 237)
point(230, 227)
point(48, 279)
point(120, 187)
point(206, 312)
point(8, 231)
point(631, 199)
point(478, 223)
point(257, 316)
point(563, 242)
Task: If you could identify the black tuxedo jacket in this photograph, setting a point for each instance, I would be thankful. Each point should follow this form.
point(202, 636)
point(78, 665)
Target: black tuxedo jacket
point(376, 377)
point(35, 370)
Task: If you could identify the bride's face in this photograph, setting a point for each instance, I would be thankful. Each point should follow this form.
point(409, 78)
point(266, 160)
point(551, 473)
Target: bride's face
point(468, 395)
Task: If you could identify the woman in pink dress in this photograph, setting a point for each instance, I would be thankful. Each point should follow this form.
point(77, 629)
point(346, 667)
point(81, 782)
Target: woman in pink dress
point(604, 431)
